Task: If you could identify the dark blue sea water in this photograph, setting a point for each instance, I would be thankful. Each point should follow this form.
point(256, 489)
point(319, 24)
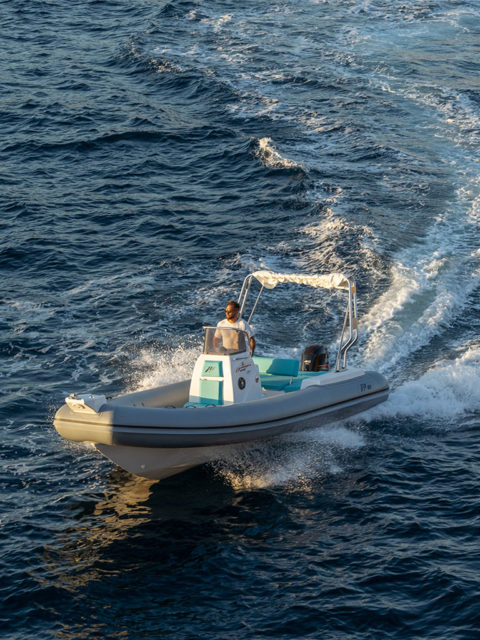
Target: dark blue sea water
point(152, 154)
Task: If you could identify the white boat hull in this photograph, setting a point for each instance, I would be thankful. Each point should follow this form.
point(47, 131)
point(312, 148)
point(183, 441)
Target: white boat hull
point(158, 464)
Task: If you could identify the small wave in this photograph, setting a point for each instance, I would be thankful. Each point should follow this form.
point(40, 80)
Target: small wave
point(218, 22)
point(91, 144)
point(270, 157)
point(115, 283)
point(26, 312)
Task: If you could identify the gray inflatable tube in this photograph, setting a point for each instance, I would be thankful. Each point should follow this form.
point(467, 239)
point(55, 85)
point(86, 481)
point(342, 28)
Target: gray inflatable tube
point(156, 418)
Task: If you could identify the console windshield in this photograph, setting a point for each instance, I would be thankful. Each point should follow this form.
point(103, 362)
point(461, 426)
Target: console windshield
point(222, 341)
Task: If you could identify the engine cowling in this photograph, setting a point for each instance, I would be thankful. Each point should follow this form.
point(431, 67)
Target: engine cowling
point(315, 358)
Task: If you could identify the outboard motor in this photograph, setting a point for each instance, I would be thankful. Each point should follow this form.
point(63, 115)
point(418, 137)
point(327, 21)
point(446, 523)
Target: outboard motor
point(314, 358)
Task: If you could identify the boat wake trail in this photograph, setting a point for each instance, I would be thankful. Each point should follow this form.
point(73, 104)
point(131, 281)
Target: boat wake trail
point(447, 394)
point(433, 283)
point(447, 391)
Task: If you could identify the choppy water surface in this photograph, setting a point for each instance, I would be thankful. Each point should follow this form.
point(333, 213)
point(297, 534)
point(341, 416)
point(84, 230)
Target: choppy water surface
point(153, 154)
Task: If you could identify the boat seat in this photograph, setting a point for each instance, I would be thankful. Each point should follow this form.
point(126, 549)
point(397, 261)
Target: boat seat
point(279, 383)
point(282, 374)
point(277, 366)
point(287, 383)
point(276, 373)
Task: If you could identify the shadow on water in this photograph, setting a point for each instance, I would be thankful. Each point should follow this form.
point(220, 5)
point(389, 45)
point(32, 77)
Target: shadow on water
point(137, 522)
point(145, 551)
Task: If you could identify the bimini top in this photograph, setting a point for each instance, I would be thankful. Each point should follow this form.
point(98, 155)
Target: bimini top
point(269, 279)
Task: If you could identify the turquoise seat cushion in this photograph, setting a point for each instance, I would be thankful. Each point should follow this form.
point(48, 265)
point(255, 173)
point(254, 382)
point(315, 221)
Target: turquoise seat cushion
point(296, 383)
point(277, 366)
point(287, 383)
point(275, 382)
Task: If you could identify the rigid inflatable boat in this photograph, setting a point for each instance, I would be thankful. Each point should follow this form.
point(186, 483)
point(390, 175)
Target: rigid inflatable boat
point(231, 398)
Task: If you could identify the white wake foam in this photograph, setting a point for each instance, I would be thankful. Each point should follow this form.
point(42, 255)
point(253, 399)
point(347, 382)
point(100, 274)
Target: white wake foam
point(295, 460)
point(270, 157)
point(431, 283)
point(446, 392)
point(151, 367)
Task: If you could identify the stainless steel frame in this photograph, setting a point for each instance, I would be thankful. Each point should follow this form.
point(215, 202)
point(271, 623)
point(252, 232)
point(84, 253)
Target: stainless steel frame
point(350, 321)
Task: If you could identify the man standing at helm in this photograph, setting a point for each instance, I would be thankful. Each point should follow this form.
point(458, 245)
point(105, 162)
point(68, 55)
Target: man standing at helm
point(233, 321)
